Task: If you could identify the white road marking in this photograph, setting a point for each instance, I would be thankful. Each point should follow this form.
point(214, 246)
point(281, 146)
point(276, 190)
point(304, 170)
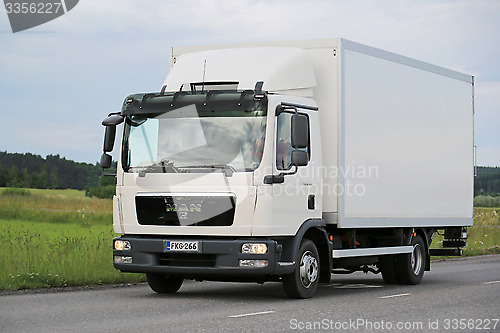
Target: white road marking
point(491, 282)
point(251, 314)
point(393, 296)
point(357, 286)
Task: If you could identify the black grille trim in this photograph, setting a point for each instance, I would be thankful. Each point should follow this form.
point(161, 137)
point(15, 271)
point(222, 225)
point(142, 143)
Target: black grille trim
point(186, 210)
point(187, 260)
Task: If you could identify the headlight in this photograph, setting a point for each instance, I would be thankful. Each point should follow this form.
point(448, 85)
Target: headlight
point(122, 245)
point(254, 248)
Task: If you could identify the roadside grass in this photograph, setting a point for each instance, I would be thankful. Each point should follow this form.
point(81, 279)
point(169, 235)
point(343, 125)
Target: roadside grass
point(55, 206)
point(53, 238)
point(484, 235)
point(45, 192)
point(68, 193)
point(40, 254)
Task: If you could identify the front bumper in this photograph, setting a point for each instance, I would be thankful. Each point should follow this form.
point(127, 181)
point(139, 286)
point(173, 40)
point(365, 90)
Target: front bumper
point(217, 259)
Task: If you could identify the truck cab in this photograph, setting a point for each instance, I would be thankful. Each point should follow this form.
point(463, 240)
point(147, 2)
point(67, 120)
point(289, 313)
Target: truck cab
point(211, 183)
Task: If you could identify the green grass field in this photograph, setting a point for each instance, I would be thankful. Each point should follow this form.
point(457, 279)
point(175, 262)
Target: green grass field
point(484, 236)
point(53, 238)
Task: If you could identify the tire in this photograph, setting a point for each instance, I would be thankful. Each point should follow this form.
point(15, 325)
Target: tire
point(164, 284)
point(411, 266)
point(388, 269)
point(303, 282)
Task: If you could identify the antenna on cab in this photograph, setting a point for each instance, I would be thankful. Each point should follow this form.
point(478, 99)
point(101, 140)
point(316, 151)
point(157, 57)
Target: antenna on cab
point(204, 71)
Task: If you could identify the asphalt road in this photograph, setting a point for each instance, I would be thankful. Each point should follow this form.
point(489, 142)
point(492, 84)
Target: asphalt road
point(457, 295)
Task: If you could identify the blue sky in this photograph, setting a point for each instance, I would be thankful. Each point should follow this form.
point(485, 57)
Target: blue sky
point(59, 80)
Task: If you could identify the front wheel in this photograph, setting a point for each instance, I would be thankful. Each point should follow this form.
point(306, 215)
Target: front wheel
point(164, 284)
point(303, 282)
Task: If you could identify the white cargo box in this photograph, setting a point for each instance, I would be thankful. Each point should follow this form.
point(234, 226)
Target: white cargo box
point(404, 141)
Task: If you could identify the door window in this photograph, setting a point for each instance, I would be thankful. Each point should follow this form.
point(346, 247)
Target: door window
point(284, 142)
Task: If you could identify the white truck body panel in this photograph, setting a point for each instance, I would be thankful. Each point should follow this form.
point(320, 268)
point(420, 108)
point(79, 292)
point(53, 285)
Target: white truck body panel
point(281, 69)
point(371, 251)
point(240, 184)
point(407, 138)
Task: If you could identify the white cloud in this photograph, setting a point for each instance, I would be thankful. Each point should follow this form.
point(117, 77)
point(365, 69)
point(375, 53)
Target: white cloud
point(487, 121)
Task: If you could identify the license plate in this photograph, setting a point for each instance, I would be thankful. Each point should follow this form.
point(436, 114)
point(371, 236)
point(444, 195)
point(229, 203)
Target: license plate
point(182, 246)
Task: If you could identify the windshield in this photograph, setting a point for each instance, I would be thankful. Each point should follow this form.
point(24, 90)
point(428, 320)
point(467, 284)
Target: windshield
point(194, 139)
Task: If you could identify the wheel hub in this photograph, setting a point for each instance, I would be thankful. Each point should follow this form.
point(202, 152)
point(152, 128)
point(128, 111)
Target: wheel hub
point(416, 259)
point(308, 269)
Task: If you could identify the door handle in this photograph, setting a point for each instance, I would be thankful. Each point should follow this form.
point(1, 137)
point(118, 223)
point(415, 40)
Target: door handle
point(311, 202)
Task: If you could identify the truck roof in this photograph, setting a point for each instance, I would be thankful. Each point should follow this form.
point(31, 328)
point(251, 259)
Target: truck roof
point(339, 44)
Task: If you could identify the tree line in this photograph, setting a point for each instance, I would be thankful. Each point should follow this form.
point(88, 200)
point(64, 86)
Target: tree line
point(56, 172)
point(52, 172)
point(487, 181)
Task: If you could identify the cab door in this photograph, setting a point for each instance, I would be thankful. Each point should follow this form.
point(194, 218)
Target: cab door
point(295, 180)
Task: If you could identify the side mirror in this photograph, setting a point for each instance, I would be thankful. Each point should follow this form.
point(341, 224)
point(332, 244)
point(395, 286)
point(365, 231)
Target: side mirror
point(300, 131)
point(299, 158)
point(113, 120)
point(109, 138)
point(106, 161)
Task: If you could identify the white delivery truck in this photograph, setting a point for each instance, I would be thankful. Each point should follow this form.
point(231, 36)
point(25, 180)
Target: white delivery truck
point(291, 161)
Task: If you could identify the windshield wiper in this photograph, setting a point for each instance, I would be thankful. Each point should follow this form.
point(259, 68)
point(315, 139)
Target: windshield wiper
point(164, 164)
point(227, 169)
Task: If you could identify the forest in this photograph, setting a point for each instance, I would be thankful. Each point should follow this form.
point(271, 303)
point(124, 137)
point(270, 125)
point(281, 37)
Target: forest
point(53, 172)
point(487, 181)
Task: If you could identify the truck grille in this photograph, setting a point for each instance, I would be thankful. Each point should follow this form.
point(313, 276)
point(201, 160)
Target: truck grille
point(185, 210)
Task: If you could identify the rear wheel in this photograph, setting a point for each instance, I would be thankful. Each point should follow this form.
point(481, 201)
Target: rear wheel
point(164, 284)
point(411, 266)
point(405, 268)
point(303, 282)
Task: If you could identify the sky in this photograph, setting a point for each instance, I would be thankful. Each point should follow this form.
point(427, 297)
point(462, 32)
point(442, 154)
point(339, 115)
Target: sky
point(59, 80)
